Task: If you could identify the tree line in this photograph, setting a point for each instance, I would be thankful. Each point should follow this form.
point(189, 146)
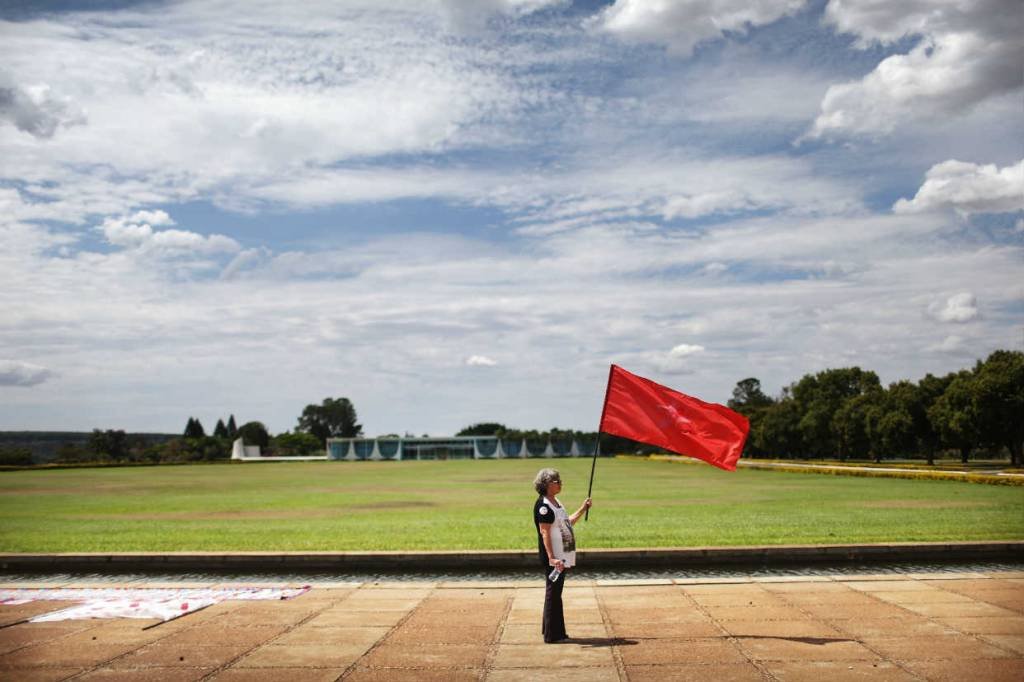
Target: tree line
point(846, 413)
point(334, 417)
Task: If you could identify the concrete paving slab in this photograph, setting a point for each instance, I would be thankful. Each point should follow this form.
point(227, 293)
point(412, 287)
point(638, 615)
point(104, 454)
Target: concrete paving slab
point(872, 609)
point(1012, 642)
point(725, 613)
point(341, 617)
point(360, 636)
point(453, 634)
point(55, 655)
point(302, 656)
point(1010, 625)
point(995, 670)
point(440, 656)
point(206, 634)
point(665, 616)
point(892, 627)
point(766, 599)
point(278, 675)
point(146, 674)
point(923, 597)
point(847, 597)
point(976, 608)
point(522, 633)
point(934, 647)
point(164, 655)
point(37, 674)
point(780, 628)
point(23, 635)
point(663, 630)
point(852, 671)
point(561, 655)
point(810, 586)
point(888, 585)
point(606, 674)
point(676, 651)
point(415, 675)
point(805, 649)
point(723, 672)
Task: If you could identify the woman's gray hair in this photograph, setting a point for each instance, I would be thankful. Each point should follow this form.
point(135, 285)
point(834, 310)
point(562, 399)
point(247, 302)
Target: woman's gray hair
point(544, 478)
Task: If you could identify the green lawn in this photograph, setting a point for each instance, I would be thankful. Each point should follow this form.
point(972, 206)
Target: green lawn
point(478, 505)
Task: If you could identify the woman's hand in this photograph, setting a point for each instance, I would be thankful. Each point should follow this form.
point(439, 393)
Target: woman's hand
point(557, 563)
point(587, 504)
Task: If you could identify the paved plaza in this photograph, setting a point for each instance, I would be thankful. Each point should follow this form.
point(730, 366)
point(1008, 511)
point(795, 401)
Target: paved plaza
point(877, 627)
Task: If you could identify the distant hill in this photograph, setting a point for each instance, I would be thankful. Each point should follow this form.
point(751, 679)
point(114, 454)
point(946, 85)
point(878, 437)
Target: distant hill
point(44, 444)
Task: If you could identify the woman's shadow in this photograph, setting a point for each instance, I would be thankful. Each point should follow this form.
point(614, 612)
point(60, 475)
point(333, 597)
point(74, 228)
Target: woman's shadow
point(600, 642)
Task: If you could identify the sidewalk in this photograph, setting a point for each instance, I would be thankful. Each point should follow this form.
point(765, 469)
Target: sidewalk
point(930, 626)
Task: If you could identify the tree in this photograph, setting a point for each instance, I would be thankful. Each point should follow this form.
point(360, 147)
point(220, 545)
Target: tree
point(999, 400)
point(295, 444)
point(929, 389)
point(194, 429)
point(110, 443)
point(820, 396)
point(254, 433)
point(749, 400)
point(232, 429)
point(220, 431)
point(482, 429)
point(748, 396)
point(852, 426)
point(897, 426)
point(778, 430)
point(954, 415)
point(334, 418)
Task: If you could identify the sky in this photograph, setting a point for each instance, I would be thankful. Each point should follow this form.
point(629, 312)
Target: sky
point(455, 211)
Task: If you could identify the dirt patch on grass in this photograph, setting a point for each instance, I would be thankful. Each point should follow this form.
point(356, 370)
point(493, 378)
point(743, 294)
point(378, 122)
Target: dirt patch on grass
point(264, 514)
point(920, 504)
point(399, 504)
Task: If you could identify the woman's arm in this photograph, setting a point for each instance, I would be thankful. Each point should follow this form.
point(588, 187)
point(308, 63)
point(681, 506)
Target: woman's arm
point(545, 534)
point(579, 512)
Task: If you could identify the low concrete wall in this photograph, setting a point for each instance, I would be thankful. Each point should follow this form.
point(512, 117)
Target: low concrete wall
point(412, 562)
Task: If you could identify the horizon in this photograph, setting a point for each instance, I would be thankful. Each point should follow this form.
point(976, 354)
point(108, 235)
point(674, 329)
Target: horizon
point(453, 210)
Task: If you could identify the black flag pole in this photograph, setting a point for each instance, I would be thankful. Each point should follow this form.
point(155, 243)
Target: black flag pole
point(597, 446)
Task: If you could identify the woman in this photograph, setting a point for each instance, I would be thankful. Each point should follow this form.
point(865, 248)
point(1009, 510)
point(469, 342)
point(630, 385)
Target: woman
point(556, 546)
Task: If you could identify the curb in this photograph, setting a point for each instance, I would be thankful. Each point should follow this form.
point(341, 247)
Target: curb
point(415, 562)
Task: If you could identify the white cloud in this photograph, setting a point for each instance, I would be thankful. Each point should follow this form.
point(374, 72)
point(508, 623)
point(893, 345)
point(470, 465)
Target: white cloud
point(480, 361)
point(133, 233)
point(952, 344)
point(961, 307)
point(36, 109)
point(968, 188)
point(968, 52)
point(685, 349)
point(24, 374)
point(469, 14)
point(683, 24)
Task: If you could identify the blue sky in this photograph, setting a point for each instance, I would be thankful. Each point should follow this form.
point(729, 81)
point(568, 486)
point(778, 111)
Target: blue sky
point(459, 211)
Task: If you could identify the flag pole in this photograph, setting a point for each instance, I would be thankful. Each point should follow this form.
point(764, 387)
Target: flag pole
point(597, 446)
point(593, 464)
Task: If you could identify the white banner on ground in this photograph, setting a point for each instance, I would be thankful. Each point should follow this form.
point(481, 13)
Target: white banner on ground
point(159, 603)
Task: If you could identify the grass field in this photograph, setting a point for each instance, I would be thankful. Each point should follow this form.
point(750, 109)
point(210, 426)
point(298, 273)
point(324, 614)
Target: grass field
point(478, 505)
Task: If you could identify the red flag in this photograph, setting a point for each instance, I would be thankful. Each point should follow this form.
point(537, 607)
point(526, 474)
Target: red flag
point(641, 410)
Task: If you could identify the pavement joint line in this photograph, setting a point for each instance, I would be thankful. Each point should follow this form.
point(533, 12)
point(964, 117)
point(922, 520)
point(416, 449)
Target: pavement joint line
point(835, 624)
point(760, 667)
point(376, 645)
point(974, 635)
point(291, 627)
point(609, 630)
point(492, 650)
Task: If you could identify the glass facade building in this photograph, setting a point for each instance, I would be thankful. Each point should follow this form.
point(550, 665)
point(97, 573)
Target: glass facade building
point(452, 447)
